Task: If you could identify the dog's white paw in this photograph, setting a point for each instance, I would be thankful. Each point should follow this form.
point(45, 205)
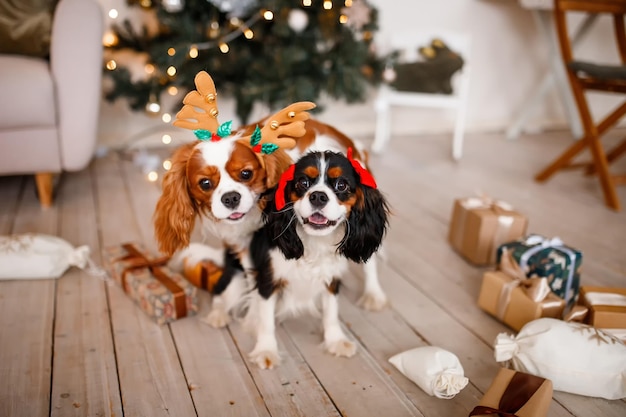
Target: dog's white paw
point(265, 359)
point(341, 347)
point(217, 318)
point(373, 301)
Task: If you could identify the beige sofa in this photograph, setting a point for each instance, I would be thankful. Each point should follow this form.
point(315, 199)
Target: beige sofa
point(49, 108)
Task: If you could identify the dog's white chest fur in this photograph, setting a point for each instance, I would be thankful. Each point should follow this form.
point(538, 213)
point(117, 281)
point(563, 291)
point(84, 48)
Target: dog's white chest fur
point(308, 277)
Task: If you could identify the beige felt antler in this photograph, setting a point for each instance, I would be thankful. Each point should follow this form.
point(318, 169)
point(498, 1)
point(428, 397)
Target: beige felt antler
point(204, 97)
point(282, 127)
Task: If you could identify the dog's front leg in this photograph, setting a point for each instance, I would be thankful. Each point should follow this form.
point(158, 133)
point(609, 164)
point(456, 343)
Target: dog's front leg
point(335, 341)
point(265, 352)
point(373, 298)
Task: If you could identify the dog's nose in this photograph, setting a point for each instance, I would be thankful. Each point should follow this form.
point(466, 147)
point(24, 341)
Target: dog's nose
point(318, 199)
point(231, 200)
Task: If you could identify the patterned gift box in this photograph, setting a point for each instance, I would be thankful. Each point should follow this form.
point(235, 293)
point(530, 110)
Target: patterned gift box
point(514, 393)
point(548, 258)
point(162, 294)
point(480, 225)
point(204, 274)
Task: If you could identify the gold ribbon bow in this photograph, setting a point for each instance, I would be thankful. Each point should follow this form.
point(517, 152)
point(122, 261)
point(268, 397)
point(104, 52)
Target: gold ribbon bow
point(135, 259)
point(537, 289)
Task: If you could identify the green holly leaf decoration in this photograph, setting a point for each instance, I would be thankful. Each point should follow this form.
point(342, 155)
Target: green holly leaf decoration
point(225, 129)
point(256, 136)
point(202, 134)
point(268, 148)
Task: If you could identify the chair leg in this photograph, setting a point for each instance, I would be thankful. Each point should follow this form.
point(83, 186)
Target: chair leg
point(562, 160)
point(43, 180)
point(383, 127)
point(606, 179)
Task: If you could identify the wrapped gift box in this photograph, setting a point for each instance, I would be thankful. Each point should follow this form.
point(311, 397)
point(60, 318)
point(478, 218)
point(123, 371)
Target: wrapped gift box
point(479, 226)
point(204, 274)
point(162, 294)
point(516, 302)
point(548, 258)
point(606, 306)
point(515, 393)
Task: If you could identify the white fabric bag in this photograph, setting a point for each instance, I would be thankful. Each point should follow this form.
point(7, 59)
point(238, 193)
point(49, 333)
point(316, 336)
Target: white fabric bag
point(39, 256)
point(436, 371)
point(578, 358)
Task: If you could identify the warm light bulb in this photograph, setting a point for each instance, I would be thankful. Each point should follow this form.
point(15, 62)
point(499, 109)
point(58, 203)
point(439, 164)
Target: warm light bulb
point(306, 3)
point(171, 51)
point(224, 47)
point(153, 176)
point(343, 18)
point(167, 164)
point(348, 3)
point(109, 39)
point(166, 139)
point(235, 21)
point(113, 13)
point(268, 15)
point(248, 33)
point(171, 71)
point(193, 52)
point(328, 4)
point(172, 90)
point(153, 107)
point(149, 68)
point(166, 117)
point(111, 65)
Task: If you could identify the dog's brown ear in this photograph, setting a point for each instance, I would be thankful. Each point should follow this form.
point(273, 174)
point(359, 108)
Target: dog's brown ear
point(175, 212)
point(275, 164)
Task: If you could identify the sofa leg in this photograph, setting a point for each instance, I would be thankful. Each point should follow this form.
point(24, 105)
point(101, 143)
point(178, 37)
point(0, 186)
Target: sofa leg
point(44, 188)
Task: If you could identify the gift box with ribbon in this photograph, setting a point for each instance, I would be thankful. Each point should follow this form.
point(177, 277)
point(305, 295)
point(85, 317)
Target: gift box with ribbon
point(203, 274)
point(516, 300)
point(541, 257)
point(162, 294)
point(601, 307)
point(517, 394)
point(480, 225)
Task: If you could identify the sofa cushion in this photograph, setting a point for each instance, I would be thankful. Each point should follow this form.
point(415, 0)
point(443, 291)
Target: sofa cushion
point(27, 98)
point(25, 26)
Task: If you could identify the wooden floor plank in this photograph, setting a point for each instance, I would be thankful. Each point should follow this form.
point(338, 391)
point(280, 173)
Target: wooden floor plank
point(26, 323)
point(84, 379)
point(151, 380)
point(10, 189)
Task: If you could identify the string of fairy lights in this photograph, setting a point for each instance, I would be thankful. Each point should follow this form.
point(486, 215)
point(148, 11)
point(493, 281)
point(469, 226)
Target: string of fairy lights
point(220, 39)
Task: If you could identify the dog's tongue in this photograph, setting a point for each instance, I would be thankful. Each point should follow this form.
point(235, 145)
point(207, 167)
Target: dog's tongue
point(235, 216)
point(317, 218)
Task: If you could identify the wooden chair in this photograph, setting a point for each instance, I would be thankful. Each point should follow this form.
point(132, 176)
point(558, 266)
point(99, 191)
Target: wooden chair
point(584, 76)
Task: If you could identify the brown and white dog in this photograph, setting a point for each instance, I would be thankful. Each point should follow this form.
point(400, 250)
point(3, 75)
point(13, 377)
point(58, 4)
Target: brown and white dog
point(223, 182)
point(327, 211)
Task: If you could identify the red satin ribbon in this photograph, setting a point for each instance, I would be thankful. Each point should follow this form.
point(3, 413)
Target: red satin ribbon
point(282, 183)
point(135, 259)
point(366, 178)
point(521, 388)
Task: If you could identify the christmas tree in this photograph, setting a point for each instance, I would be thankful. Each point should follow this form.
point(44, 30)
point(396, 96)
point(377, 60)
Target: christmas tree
point(273, 52)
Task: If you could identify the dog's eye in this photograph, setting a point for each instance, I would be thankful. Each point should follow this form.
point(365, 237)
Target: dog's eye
point(245, 174)
point(205, 184)
point(303, 184)
point(341, 185)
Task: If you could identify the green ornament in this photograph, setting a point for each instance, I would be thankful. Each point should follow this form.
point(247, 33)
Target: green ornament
point(256, 136)
point(202, 134)
point(224, 129)
point(268, 148)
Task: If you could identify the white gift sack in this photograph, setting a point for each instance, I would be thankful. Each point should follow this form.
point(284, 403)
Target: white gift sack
point(436, 371)
point(37, 256)
point(578, 358)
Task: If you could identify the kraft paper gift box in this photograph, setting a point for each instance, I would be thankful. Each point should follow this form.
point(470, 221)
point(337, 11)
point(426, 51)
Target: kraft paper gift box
point(515, 393)
point(162, 294)
point(605, 307)
point(516, 301)
point(204, 274)
point(480, 225)
point(540, 257)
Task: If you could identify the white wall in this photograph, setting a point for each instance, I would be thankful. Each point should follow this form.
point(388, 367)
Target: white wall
point(508, 59)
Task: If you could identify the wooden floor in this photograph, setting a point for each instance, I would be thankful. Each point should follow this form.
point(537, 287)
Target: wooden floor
point(77, 346)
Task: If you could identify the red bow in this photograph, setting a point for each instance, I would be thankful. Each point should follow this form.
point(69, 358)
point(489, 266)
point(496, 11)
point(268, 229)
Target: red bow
point(282, 183)
point(366, 178)
point(215, 137)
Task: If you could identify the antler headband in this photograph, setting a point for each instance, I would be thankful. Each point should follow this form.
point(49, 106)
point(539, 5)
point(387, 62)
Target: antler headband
point(200, 112)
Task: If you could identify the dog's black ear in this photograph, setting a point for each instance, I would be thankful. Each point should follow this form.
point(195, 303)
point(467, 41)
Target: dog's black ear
point(281, 227)
point(367, 224)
